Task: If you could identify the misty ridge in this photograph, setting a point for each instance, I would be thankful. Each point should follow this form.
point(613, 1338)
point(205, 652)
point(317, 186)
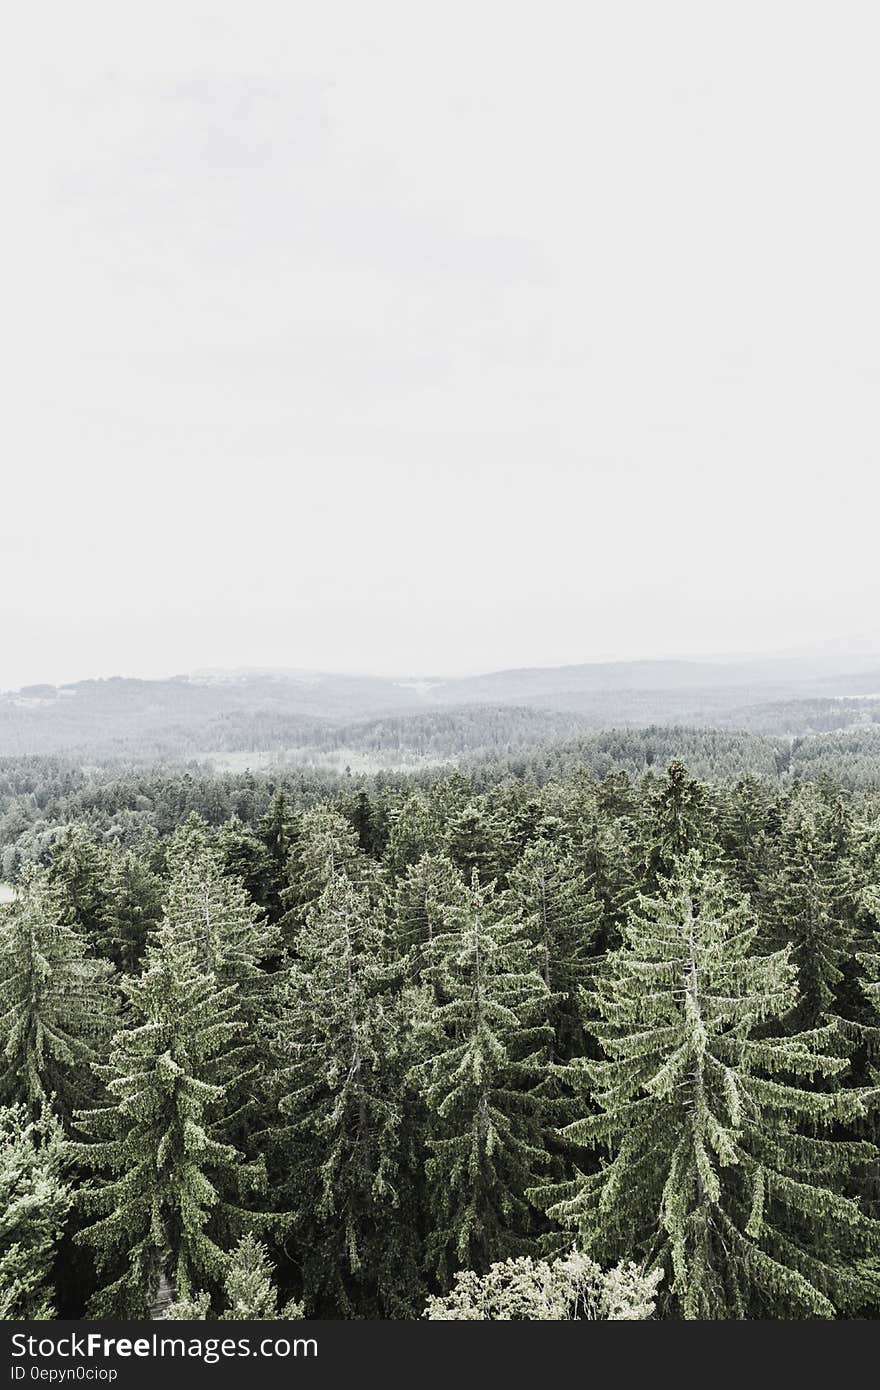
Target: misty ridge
point(260, 717)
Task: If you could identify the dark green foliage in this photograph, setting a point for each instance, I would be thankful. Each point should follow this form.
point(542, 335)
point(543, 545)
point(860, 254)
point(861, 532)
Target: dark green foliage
point(325, 845)
point(475, 840)
point(424, 899)
point(869, 972)
point(341, 1107)
point(359, 1028)
point(870, 962)
point(56, 1004)
point(812, 906)
point(208, 913)
point(722, 1161)
point(679, 818)
point(166, 1185)
point(34, 1203)
point(478, 1083)
point(549, 893)
point(747, 831)
point(249, 1293)
point(111, 896)
point(246, 857)
point(414, 832)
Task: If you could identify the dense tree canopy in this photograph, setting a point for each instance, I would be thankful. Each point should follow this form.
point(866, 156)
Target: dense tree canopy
point(719, 1165)
point(600, 1035)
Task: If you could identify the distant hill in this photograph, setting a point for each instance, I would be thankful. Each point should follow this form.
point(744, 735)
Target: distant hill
point(297, 712)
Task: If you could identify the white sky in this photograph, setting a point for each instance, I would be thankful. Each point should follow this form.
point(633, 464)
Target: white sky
point(431, 338)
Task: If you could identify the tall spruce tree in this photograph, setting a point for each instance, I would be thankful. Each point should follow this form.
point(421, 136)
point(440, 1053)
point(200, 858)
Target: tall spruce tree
point(325, 845)
point(276, 832)
point(340, 1149)
point(56, 1004)
point(475, 839)
point(745, 818)
point(424, 896)
point(166, 1187)
point(478, 1080)
point(602, 832)
point(813, 909)
point(134, 909)
point(246, 857)
point(78, 872)
point(249, 1292)
point(863, 871)
point(414, 831)
point(721, 1157)
point(678, 819)
point(550, 894)
point(110, 896)
point(35, 1200)
point(251, 1295)
point(869, 961)
point(210, 913)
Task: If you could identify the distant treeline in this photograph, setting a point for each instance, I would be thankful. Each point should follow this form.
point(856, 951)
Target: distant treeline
point(40, 796)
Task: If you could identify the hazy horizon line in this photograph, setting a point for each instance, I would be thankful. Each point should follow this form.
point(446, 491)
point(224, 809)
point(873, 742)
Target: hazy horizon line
point(791, 654)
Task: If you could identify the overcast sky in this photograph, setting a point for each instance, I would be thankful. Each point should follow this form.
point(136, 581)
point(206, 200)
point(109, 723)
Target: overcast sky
point(417, 338)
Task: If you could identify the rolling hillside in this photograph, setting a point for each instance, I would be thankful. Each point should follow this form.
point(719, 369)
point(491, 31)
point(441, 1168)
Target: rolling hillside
point(250, 712)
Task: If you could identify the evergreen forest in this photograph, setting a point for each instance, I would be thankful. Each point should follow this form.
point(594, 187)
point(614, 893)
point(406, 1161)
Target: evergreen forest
point(582, 1033)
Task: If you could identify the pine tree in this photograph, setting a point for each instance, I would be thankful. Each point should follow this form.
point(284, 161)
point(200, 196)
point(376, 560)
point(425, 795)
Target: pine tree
point(813, 910)
point(745, 832)
point(110, 896)
point(423, 899)
point(166, 1184)
point(414, 832)
point(616, 798)
point(366, 816)
point(34, 1204)
point(276, 831)
point(604, 840)
point(864, 877)
point(549, 893)
point(326, 845)
point(869, 961)
point(475, 839)
point(135, 909)
point(249, 1293)
point(210, 913)
point(478, 1080)
point(722, 1163)
point(341, 1147)
point(56, 1004)
point(245, 856)
point(78, 872)
point(678, 819)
